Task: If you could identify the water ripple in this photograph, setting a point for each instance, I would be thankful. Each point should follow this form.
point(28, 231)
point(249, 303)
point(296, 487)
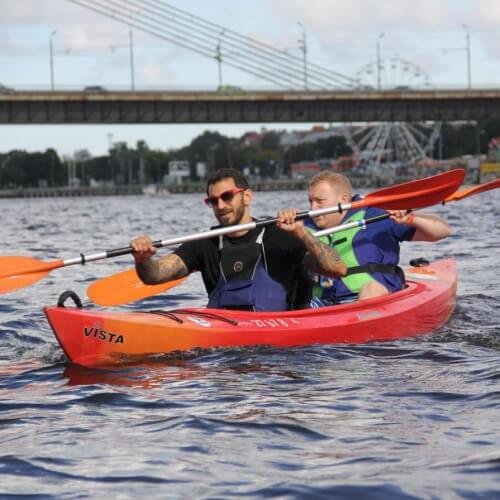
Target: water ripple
point(415, 418)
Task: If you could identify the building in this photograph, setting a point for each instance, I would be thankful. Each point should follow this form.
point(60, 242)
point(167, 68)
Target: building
point(178, 172)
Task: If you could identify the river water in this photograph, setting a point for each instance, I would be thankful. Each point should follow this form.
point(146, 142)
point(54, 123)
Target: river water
point(415, 418)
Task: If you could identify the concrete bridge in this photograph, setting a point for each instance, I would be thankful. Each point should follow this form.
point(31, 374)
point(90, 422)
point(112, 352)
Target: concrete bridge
point(101, 106)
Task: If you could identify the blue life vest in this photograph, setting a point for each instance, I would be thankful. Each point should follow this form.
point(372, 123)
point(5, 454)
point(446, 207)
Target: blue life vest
point(244, 282)
point(370, 254)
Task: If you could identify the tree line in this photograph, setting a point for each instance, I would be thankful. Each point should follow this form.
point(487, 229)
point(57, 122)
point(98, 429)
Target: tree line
point(141, 165)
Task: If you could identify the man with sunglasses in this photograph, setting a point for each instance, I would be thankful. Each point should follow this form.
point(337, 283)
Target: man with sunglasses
point(261, 269)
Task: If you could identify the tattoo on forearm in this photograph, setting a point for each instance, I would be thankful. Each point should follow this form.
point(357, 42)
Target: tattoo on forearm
point(155, 271)
point(323, 258)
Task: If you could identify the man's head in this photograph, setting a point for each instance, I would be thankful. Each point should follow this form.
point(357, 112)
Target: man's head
point(328, 189)
point(229, 195)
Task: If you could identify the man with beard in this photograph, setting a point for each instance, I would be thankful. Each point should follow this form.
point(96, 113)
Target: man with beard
point(261, 269)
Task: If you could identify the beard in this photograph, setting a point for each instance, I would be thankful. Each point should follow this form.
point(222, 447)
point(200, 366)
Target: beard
point(231, 216)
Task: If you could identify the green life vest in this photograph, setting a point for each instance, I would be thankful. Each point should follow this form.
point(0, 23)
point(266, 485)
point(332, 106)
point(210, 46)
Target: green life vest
point(342, 243)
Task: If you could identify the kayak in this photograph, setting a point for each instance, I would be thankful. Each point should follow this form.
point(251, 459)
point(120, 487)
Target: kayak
point(93, 337)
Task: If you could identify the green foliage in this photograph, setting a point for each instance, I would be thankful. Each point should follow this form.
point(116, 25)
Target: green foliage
point(262, 153)
point(20, 168)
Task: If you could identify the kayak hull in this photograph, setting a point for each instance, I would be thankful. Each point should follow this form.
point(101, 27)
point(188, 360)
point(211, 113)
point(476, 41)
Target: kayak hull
point(101, 338)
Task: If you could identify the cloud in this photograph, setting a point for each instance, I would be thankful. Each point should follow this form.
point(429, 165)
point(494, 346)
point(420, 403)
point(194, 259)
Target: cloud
point(485, 14)
point(363, 16)
point(341, 34)
point(55, 12)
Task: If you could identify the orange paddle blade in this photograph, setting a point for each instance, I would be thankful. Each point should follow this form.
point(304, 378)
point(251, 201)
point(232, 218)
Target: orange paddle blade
point(18, 272)
point(460, 195)
point(125, 287)
point(415, 194)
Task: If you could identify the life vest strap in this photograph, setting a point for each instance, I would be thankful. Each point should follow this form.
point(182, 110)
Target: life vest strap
point(376, 268)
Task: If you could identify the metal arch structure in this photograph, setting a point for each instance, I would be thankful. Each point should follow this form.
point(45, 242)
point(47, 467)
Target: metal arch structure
point(162, 20)
point(397, 143)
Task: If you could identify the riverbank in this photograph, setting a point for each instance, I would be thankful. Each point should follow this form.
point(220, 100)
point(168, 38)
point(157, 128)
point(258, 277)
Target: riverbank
point(50, 192)
point(280, 185)
point(187, 187)
point(358, 182)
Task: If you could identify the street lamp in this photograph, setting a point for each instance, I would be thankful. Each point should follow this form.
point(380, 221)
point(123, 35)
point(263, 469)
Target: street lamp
point(131, 52)
point(51, 53)
point(303, 48)
point(467, 49)
point(467, 52)
point(218, 58)
point(130, 46)
point(379, 83)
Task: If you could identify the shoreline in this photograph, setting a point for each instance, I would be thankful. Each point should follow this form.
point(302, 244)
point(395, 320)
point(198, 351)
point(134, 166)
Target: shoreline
point(358, 182)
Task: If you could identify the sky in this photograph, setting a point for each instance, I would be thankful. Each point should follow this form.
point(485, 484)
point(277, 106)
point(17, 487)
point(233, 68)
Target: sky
point(428, 36)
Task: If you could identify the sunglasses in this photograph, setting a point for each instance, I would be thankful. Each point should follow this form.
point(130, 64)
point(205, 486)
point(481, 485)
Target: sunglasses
point(226, 197)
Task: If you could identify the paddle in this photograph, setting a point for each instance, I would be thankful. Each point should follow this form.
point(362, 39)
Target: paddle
point(122, 288)
point(458, 195)
point(126, 287)
point(416, 193)
point(18, 272)
point(480, 188)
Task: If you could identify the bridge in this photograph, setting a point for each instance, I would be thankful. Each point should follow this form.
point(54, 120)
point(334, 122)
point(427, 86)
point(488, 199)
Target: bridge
point(102, 106)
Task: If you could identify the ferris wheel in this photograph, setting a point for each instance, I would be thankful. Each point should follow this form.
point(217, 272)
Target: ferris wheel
point(392, 74)
point(392, 143)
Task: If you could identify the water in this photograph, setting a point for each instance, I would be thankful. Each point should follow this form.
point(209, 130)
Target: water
point(410, 419)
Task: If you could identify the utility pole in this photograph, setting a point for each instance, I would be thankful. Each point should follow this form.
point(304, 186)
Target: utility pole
point(467, 48)
point(218, 58)
point(51, 60)
point(303, 48)
point(379, 64)
point(131, 48)
point(467, 53)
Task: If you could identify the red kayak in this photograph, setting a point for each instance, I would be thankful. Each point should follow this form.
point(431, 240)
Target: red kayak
point(101, 338)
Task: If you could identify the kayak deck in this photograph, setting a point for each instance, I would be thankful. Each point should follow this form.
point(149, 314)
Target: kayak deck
point(100, 338)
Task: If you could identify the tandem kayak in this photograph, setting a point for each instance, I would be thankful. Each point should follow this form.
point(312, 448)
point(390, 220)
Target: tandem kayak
point(92, 337)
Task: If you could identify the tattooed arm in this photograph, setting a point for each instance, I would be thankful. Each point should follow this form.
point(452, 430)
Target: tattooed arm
point(320, 258)
point(153, 271)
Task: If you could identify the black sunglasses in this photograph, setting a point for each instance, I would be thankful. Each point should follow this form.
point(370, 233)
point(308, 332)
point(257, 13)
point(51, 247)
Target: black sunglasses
point(226, 197)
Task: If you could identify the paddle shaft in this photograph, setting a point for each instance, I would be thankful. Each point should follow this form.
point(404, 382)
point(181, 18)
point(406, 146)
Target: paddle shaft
point(113, 290)
point(228, 230)
point(231, 229)
point(201, 236)
point(362, 223)
point(413, 194)
point(457, 196)
point(17, 272)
